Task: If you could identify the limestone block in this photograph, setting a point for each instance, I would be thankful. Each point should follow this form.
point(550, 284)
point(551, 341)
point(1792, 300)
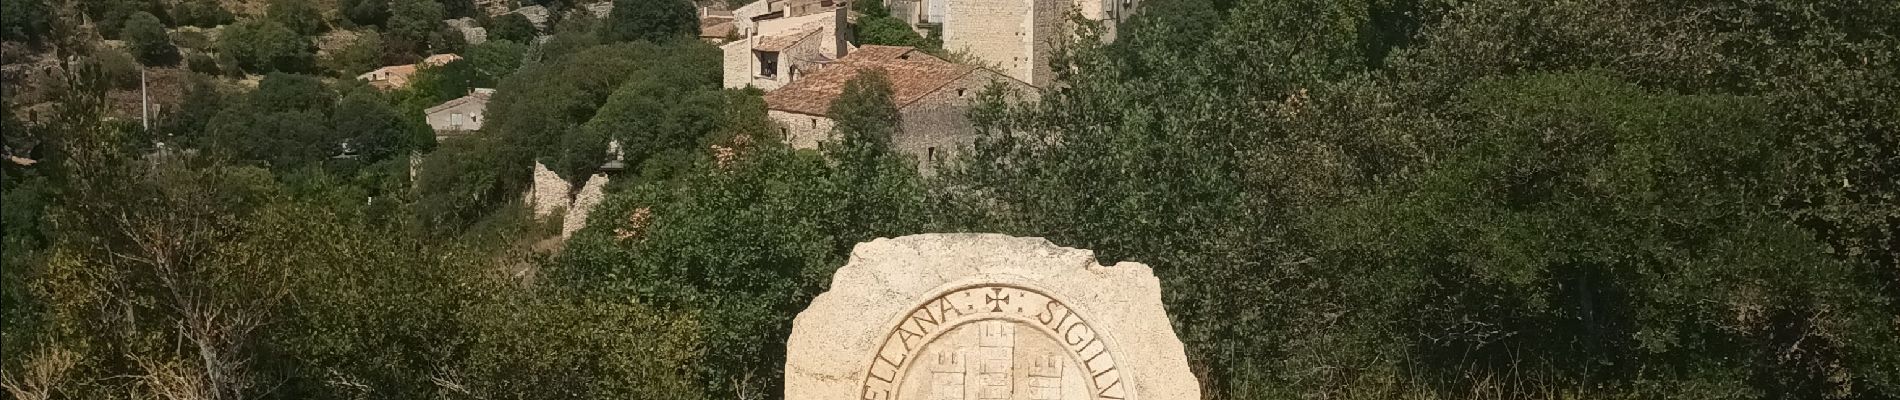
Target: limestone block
point(584, 202)
point(985, 316)
point(549, 191)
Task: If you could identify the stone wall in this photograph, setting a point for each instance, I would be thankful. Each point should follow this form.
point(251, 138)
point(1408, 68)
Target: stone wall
point(937, 126)
point(471, 113)
point(738, 64)
point(590, 195)
point(741, 67)
point(1018, 36)
point(548, 191)
point(801, 131)
point(994, 31)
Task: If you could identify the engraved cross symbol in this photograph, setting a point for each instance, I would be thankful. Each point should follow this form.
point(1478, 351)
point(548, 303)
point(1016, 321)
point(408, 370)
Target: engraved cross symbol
point(996, 301)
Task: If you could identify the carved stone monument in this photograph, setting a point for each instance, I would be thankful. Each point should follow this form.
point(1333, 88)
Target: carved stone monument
point(983, 316)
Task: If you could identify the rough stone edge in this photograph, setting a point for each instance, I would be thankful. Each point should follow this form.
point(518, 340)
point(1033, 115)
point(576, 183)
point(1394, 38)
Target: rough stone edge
point(1165, 377)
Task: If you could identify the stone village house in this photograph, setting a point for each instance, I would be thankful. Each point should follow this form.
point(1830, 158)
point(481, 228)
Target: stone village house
point(397, 76)
point(777, 43)
point(459, 116)
point(1017, 36)
point(932, 96)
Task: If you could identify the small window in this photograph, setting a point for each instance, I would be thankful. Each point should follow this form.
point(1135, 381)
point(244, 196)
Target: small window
point(960, 92)
point(814, 123)
point(783, 131)
point(768, 63)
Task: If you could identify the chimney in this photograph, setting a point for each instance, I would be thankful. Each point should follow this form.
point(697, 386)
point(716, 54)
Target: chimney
point(840, 28)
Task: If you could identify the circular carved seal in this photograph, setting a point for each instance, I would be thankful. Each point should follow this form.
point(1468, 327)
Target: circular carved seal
point(996, 341)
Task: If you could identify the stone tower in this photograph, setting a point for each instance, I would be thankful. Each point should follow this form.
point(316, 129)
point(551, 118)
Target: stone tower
point(1017, 36)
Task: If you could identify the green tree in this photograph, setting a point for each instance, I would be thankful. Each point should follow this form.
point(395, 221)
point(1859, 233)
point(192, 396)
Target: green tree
point(494, 60)
point(203, 100)
point(26, 20)
point(359, 56)
point(148, 41)
point(889, 31)
point(301, 17)
point(365, 12)
point(411, 22)
point(656, 22)
point(447, 40)
point(264, 45)
point(109, 15)
point(375, 129)
point(459, 8)
point(512, 27)
point(672, 106)
point(202, 13)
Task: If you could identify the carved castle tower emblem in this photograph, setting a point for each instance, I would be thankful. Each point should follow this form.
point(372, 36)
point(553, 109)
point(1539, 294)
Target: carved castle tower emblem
point(985, 317)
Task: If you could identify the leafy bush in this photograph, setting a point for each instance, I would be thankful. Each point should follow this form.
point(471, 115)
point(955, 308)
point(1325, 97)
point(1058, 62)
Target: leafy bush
point(299, 16)
point(512, 27)
point(652, 21)
point(264, 45)
point(202, 13)
point(146, 38)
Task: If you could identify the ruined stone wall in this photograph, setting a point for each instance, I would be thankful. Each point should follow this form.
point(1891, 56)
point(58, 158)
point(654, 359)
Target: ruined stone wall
point(548, 191)
point(801, 131)
point(590, 195)
point(937, 126)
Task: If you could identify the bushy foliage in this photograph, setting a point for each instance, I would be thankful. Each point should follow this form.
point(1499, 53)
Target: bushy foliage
point(650, 20)
point(202, 13)
point(26, 20)
point(361, 55)
point(786, 217)
point(544, 107)
point(109, 15)
point(147, 40)
point(299, 16)
point(411, 22)
point(375, 130)
point(264, 45)
point(364, 12)
point(1442, 204)
point(511, 27)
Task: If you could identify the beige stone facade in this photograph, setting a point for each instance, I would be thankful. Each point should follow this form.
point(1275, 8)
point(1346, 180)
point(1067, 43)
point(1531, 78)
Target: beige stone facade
point(1017, 36)
point(459, 116)
point(802, 131)
point(774, 52)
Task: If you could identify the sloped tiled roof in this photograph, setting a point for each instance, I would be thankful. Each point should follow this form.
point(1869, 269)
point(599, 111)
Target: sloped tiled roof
point(390, 77)
point(785, 41)
point(479, 95)
point(911, 79)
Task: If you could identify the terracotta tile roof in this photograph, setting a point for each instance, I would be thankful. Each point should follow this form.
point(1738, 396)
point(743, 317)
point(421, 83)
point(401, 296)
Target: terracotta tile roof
point(479, 95)
point(785, 41)
point(911, 79)
point(390, 77)
point(397, 76)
